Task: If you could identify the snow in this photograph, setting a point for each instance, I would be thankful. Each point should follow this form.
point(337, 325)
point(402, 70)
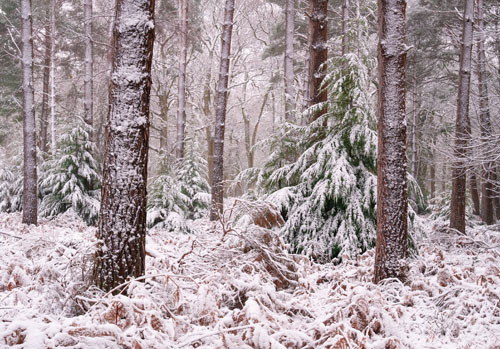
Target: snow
point(216, 288)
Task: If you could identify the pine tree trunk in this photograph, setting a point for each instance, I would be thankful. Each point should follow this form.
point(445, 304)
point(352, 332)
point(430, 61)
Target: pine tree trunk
point(220, 114)
point(89, 71)
point(30, 204)
point(487, 189)
point(289, 56)
point(207, 99)
point(181, 96)
point(392, 201)
point(52, 77)
point(345, 19)
point(318, 51)
point(122, 220)
point(462, 135)
point(44, 116)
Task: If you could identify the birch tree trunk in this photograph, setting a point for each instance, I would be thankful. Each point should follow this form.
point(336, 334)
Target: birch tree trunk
point(122, 219)
point(30, 204)
point(392, 201)
point(289, 56)
point(181, 96)
point(44, 117)
point(457, 214)
point(89, 71)
point(318, 52)
point(487, 188)
point(220, 114)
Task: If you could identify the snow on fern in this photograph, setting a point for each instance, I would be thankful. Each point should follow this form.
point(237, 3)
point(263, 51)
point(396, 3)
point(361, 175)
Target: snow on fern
point(328, 194)
point(72, 179)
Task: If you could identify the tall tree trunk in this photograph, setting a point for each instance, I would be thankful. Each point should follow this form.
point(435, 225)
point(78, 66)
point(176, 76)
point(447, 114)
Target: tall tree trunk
point(207, 100)
point(181, 96)
point(462, 135)
point(44, 117)
point(345, 19)
point(217, 204)
point(52, 77)
point(487, 190)
point(392, 201)
point(433, 176)
point(289, 55)
point(89, 71)
point(122, 219)
point(318, 52)
point(30, 204)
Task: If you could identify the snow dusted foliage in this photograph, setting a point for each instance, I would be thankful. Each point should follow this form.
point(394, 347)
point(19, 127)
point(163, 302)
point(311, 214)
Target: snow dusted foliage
point(182, 189)
point(72, 178)
point(239, 288)
point(327, 195)
point(192, 176)
point(11, 184)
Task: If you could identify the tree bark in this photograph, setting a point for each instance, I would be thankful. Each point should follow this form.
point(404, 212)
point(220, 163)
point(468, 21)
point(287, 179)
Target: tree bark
point(220, 114)
point(181, 96)
point(392, 201)
point(30, 204)
point(122, 220)
point(487, 187)
point(345, 19)
point(44, 117)
point(52, 77)
point(462, 135)
point(318, 52)
point(89, 71)
point(289, 55)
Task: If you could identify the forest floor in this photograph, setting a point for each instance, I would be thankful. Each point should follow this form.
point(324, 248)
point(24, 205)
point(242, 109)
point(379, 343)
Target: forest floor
point(238, 288)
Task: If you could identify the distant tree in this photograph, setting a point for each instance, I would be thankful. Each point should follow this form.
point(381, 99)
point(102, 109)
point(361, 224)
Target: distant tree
point(122, 218)
point(181, 96)
point(289, 57)
point(392, 200)
point(220, 113)
point(489, 166)
point(89, 65)
point(30, 200)
point(44, 116)
point(462, 128)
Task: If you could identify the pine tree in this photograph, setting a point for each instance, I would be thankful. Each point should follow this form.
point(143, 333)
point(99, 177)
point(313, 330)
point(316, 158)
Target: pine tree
point(122, 218)
point(72, 179)
point(328, 195)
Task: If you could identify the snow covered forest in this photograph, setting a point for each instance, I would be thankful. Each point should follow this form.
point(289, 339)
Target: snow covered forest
point(250, 174)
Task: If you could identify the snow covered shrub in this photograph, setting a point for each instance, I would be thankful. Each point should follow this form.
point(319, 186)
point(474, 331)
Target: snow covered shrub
point(192, 176)
point(11, 185)
point(328, 195)
point(181, 189)
point(72, 178)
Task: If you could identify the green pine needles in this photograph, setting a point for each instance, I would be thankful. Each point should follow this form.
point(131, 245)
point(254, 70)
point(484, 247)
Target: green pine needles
point(72, 179)
point(328, 195)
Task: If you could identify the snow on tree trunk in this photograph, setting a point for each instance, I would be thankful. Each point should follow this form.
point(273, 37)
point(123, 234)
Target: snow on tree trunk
point(44, 117)
point(318, 51)
point(474, 193)
point(89, 72)
point(392, 201)
point(220, 113)
point(122, 221)
point(289, 55)
point(30, 204)
point(487, 189)
point(345, 19)
point(462, 135)
point(52, 77)
point(181, 96)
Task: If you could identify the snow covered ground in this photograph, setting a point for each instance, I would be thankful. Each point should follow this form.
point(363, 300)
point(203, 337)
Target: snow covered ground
point(237, 288)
